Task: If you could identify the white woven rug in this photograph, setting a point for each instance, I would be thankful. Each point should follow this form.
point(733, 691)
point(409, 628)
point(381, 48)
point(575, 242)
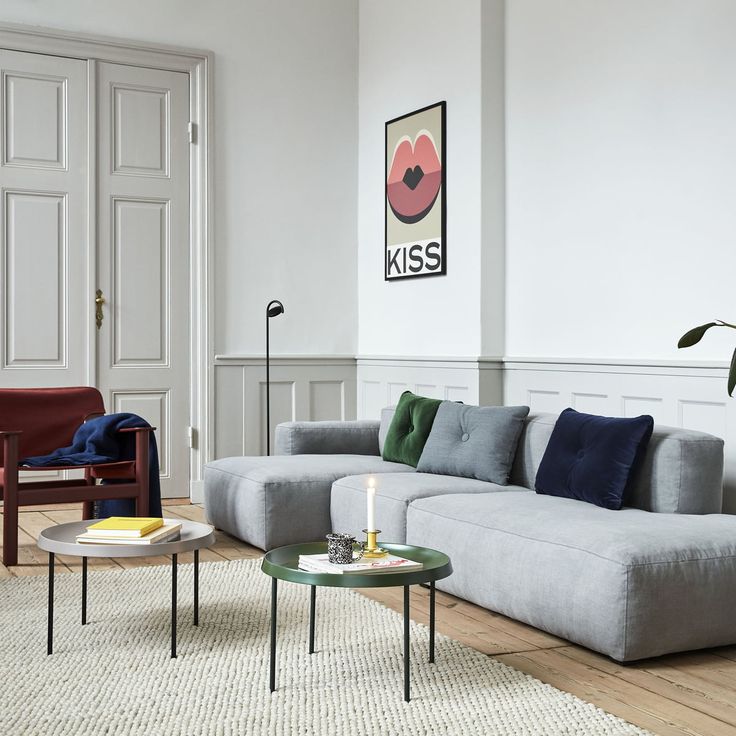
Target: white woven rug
point(115, 676)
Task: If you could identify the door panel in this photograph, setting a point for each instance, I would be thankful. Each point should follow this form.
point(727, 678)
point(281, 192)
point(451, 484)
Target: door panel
point(35, 225)
point(143, 260)
point(35, 120)
point(136, 109)
point(45, 307)
point(140, 286)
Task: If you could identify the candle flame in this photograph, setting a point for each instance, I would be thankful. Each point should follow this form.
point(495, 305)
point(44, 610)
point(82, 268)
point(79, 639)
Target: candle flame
point(371, 482)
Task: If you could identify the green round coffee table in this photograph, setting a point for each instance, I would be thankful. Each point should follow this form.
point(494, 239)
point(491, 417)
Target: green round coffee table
point(283, 564)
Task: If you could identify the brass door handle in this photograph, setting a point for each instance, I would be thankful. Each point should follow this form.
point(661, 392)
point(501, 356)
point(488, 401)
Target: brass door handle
point(99, 301)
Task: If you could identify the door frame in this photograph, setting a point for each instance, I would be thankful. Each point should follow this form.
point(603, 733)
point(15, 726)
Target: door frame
point(198, 64)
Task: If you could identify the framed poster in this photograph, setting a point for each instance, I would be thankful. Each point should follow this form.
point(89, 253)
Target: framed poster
point(415, 197)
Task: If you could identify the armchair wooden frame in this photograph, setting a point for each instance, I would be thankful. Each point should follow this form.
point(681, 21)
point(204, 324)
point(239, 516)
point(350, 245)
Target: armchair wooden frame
point(131, 476)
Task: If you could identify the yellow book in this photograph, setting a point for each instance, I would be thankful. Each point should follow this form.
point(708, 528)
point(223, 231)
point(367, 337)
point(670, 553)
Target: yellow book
point(124, 526)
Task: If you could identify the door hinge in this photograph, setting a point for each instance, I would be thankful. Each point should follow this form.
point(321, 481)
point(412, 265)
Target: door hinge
point(192, 437)
point(192, 131)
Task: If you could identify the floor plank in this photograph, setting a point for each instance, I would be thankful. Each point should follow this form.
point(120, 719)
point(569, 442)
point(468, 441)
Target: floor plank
point(691, 694)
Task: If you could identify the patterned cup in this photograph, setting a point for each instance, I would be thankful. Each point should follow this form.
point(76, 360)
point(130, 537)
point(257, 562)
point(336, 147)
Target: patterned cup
point(340, 549)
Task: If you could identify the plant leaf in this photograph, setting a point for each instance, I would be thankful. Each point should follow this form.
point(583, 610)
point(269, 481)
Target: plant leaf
point(732, 375)
point(694, 336)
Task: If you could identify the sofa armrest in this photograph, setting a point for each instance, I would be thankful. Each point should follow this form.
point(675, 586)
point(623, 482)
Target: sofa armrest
point(327, 438)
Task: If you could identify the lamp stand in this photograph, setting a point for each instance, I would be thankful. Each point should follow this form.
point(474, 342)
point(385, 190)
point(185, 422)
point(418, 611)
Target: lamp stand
point(268, 391)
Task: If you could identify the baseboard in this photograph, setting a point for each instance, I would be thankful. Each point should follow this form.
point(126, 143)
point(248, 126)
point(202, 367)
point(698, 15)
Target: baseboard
point(196, 491)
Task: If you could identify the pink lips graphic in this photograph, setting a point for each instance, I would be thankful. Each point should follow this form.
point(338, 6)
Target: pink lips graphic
point(414, 178)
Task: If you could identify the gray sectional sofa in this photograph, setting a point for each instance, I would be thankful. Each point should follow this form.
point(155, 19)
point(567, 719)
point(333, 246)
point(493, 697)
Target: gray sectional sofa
point(658, 576)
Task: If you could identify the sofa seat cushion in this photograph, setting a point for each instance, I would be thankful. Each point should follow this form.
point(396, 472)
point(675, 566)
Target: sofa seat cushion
point(394, 493)
point(629, 583)
point(681, 471)
point(282, 499)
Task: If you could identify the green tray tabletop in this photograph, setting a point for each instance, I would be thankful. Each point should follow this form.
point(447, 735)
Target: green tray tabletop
point(283, 563)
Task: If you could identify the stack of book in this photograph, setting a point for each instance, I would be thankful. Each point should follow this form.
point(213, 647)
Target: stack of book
point(389, 563)
point(130, 530)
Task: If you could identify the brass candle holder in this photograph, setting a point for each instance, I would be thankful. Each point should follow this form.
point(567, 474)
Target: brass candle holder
point(371, 548)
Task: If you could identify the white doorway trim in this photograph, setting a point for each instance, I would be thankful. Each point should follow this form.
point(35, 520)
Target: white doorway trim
point(199, 65)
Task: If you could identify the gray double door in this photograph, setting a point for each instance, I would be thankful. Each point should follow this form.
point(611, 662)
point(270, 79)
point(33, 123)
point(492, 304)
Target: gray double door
point(94, 238)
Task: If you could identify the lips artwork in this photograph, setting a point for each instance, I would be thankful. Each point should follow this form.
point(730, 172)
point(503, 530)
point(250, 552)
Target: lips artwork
point(415, 194)
point(415, 178)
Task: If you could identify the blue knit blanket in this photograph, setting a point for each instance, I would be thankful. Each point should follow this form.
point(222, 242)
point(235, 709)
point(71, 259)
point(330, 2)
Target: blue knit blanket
point(99, 441)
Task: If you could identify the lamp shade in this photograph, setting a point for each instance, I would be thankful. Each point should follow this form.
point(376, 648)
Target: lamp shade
point(274, 309)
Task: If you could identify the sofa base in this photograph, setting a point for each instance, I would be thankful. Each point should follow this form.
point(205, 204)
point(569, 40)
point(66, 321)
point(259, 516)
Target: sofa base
point(629, 584)
point(283, 499)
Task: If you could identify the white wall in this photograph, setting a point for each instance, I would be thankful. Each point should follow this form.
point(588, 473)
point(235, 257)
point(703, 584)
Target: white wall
point(621, 157)
point(286, 153)
point(414, 53)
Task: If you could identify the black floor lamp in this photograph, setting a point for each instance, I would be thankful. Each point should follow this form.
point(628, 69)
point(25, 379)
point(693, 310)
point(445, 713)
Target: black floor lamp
point(273, 309)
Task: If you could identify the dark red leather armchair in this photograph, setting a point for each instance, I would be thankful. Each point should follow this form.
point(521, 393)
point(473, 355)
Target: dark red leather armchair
point(36, 421)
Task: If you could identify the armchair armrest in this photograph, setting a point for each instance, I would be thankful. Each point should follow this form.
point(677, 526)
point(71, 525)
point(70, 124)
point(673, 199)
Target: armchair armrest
point(137, 429)
point(10, 432)
point(328, 438)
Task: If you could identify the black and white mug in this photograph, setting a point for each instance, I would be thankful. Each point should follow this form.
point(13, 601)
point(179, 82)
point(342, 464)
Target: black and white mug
point(340, 549)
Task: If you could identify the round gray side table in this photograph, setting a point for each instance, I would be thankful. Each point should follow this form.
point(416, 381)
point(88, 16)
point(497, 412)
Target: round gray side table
point(61, 539)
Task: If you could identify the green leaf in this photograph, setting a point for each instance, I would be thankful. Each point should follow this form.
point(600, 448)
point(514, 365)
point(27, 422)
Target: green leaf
point(694, 336)
point(732, 375)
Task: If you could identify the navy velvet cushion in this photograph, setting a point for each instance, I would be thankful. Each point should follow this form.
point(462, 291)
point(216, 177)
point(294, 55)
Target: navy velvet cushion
point(591, 458)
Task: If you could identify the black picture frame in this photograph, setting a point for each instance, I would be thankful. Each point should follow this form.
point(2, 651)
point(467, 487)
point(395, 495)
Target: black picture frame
point(440, 201)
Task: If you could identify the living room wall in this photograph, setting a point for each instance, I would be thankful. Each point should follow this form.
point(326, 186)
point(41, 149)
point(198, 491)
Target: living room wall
point(620, 155)
point(620, 218)
point(285, 154)
point(412, 54)
point(427, 334)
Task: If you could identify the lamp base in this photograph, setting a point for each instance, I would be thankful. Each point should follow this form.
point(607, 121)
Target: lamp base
point(371, 549)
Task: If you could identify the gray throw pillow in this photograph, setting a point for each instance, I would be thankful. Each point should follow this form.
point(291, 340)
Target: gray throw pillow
point(473, 441)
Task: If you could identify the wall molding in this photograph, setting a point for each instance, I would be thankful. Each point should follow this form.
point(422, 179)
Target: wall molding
point(663, 367)
point(690, 394)
point(303, 387)
point(686, 394)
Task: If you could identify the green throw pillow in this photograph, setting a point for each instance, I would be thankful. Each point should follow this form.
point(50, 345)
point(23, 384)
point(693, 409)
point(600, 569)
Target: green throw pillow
point(409, 428)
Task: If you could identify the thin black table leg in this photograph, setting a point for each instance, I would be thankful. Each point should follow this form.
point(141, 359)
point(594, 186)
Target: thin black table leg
point(312, 611)
point(272, 674)
point(84, 591)
point(431, 623)
point(196, 587)
point(406, 643)
point(50, 637)
point(173, 605)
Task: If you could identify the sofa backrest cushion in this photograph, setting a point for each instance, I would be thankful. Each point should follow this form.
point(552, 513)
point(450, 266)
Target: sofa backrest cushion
point(681, 472)
point(409, 429)
point(473, 441)
point(387, 416)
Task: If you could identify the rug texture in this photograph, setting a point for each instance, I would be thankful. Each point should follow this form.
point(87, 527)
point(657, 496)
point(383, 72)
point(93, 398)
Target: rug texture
point(115, 676)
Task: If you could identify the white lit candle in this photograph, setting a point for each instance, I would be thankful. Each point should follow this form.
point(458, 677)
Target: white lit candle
point(371, 505)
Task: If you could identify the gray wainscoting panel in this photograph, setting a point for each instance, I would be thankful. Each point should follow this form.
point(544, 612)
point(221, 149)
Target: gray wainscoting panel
point(302, 388)
point(382, 380)
point(675, 394)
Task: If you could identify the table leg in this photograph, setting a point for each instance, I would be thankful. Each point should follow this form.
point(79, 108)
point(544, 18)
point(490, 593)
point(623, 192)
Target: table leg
point(84, 591)
point(272, 674)
point(196, 587)
point(406, 643)
point(431, 622)
point(50, 637)
point(174, 562)
point(312, 612)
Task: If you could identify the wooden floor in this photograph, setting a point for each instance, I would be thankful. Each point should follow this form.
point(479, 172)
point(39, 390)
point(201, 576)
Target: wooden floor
point(679, 694)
